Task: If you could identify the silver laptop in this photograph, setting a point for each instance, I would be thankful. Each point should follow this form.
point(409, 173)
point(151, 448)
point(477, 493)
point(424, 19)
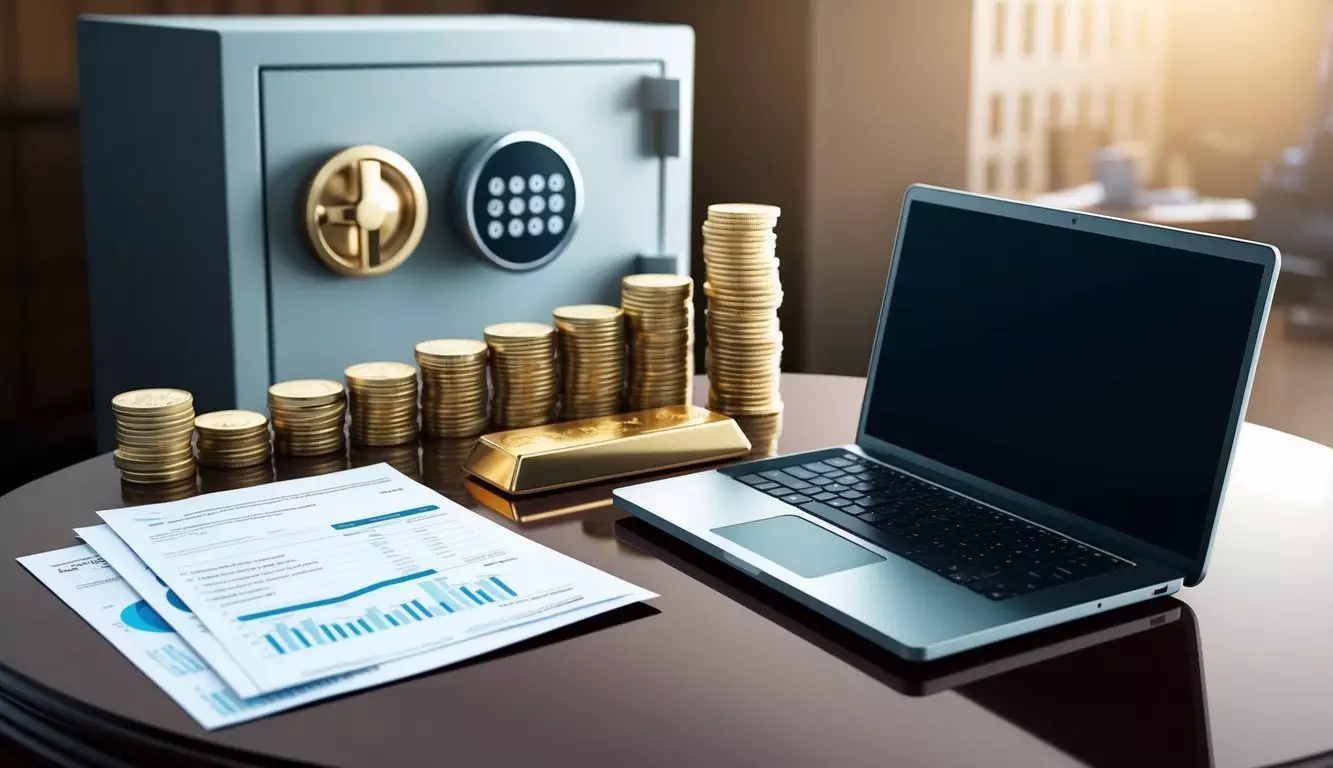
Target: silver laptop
point(1051, 410)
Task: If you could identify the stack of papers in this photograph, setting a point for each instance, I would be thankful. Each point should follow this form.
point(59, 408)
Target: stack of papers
point(245, 603)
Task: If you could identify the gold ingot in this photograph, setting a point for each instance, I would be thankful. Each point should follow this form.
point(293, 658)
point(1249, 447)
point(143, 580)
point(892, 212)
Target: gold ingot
point(593, 450)
point(365, 211)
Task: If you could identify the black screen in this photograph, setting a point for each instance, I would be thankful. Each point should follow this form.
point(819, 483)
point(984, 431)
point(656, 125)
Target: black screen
point(1092, 373)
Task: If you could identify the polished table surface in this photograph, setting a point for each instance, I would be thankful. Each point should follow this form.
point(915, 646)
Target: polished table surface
point(719, 671)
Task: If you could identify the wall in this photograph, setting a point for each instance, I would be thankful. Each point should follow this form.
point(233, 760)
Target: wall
point(889, 108)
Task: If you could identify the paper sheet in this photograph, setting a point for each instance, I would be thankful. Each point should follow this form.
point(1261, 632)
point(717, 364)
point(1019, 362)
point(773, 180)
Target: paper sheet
point(306, 579)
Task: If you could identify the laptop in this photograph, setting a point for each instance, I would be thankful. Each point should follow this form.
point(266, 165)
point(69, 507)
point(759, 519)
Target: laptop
point(1051, 409)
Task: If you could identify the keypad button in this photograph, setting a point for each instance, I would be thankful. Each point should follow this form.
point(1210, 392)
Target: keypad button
point(555, 182)
point(516, 206)
point(556, 203)
point(495, 230)
point(517, 185)
point(536, 203)
point(515, 227)
point(495, 208)
point(496, 186)
point(536, 226)
point(536, 183)
point(555, 224)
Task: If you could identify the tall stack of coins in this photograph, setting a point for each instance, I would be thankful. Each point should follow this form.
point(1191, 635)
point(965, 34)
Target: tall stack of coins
point(232, 439)
point(523, 377)
point(659, 315)
point(307, 416)
point(592, 359)
point(153, 431)
point(383, 403)
point(453, 387)
point(744, 340)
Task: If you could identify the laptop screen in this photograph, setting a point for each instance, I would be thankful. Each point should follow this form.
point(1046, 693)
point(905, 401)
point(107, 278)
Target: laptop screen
point(1092, 373)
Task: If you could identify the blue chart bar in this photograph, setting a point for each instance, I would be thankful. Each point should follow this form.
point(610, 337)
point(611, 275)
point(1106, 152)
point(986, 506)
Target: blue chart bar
point(473, 597)
point(391, 620)
point(222, 705)
point(364, 626)
point(496, 581)
point(301, 637)
point(485, 596)
point(411, 612)
point(328, 632)
point(285, 636)
point(341, 631)
point(376, 617)
point(311, 631)
point(355, 631)
point(422, 608)
point(276, 645)
point(399, 616)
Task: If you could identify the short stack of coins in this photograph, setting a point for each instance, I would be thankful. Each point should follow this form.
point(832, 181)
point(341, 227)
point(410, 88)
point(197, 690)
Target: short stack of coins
point(307, 416)
point(453, 387)
point(383, 403)
point(744, 355)
point(592, 359)
point(154, 428)
point(659, 317)
point(523, 374)
point(232, 439)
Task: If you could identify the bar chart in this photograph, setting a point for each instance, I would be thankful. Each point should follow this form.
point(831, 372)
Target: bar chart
point(178, 661)
point(438, 597)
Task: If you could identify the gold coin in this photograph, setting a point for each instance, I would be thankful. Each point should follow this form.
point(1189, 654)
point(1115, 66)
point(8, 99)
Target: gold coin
point(452, 348)
point(305, 391)
point(230, 421)
point(152, 401)
point(744, 210)
point(655, 282)
point(517, 331)
point(585, 313)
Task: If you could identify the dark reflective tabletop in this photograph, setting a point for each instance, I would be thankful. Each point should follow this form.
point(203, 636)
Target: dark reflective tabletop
point(721, 671)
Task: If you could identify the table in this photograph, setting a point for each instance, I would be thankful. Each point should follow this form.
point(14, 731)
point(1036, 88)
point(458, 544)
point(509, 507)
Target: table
point(719, 671)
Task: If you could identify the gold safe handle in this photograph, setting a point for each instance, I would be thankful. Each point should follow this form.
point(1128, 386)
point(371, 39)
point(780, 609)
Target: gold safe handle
point(365, 211)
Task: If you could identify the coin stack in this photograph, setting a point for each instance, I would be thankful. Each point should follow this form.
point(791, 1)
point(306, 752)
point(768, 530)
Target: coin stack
point(383, 403)
point(307, 416)
point(523, 378)
point(744, 355)
point(659, 314)
point(592, 359)
point(453, 387)
point(232, 439)
point(153, 431)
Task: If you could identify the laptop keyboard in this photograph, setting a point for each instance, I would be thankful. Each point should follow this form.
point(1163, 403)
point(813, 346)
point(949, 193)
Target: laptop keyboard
point(989, 552)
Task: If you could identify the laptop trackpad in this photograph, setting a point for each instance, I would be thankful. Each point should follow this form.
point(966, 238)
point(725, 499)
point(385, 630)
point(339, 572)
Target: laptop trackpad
point(799, 545)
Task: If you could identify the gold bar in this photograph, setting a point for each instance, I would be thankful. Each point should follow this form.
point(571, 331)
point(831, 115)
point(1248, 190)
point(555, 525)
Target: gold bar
point(532, 510)
point(594, 450)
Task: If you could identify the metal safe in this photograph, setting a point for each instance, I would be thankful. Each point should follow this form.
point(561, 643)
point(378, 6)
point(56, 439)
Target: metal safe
point(278, 198)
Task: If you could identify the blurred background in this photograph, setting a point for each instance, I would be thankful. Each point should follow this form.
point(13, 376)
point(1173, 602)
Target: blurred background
point(1196, 113)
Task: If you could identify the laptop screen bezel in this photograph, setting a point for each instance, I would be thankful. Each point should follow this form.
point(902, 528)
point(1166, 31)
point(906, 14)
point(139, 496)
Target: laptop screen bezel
point(1193, 567)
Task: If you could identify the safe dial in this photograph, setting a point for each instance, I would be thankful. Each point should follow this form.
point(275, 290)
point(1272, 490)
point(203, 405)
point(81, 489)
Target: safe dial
point(517, 199)
point(365, 211)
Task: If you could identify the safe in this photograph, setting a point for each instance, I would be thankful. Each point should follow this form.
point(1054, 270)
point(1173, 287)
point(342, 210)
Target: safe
point(277, 198)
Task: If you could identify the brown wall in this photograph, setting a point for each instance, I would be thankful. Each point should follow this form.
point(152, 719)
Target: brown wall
point(889, 109)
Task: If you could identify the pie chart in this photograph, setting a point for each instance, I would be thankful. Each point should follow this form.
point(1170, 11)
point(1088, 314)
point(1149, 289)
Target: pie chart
point(142, 617)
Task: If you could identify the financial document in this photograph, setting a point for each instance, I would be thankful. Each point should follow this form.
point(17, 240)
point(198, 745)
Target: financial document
point(308, 579)
point(157, 634)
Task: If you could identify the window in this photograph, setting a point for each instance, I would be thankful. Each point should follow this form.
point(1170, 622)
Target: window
point(1001, 13)
point(1025, 114)
point(1021, 173)
point(1058, 30)
point(1084, 108)
point(1085, 24)
point(992, 176)
point(1029, 29)
point(1053, 106)
point(1117, 23)
point(996, 115)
